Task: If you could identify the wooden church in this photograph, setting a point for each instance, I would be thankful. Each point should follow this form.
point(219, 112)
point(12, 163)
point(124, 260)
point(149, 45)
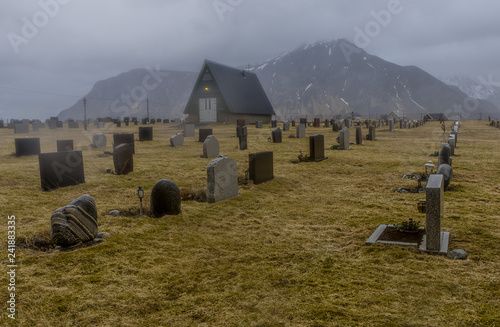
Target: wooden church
point(225, 94)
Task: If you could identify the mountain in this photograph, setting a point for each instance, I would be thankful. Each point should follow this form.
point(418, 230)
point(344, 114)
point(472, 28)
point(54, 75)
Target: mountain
point(323, 80)
point(482, 87)
point(125, 95)
point(319, 80)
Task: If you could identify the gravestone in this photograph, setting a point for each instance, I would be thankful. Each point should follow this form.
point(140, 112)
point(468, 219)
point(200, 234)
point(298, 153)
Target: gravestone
point(335, 126)
point(74, 223)
point(165, 199)
point(189, 130)
point(166, 121)
point(456, 138)
point(444, 154)
point(61, 169)
point(327, 123)
point(99, 140)
point(260, 167)
point(243, 141)
point(451, 142)
point(36, 127)
point(158, 120)
point(177, 140)
point(74, 124)
point(447, 173)
point(371, 133)
point(300, 131)
point(145, 121)
point(123, 158)
point(124, 138)
point(240, 122)
point(344, 139)
point(359, 135)
point(64, 145)
point(303, 121)
point(293, 123)
point(317, 147)
point(274, 123)
point(27, 146)
point(391, 125)
point(1, 123)
point(239, 131)
point(317, 122)
point(210, 147)
point(100, 124)
point(367, 123)
point(258, 124)
point(203, 133)
point(400, 124)
point(52, 123)
point(434, 193)
point(21, 128)
point(222, 179)
point(277, 135)
point(145, 134)
point(153, 121)
point(286, 126)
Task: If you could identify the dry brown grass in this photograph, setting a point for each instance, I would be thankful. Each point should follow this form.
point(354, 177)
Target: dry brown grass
point(289, 252)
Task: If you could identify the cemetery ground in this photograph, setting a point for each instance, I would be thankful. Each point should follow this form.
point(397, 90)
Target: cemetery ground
point(288, 252)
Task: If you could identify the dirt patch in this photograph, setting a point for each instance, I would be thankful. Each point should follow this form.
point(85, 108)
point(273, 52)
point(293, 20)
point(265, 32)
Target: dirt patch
point(393, 235)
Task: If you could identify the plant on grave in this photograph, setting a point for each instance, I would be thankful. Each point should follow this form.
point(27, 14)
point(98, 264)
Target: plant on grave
point(303, 157)
point(409, 225)
point(334, 147)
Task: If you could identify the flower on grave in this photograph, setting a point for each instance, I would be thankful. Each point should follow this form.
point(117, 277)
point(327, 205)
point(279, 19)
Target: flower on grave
point(409, 225)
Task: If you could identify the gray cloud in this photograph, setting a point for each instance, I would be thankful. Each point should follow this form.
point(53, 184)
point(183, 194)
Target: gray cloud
point(82, 42)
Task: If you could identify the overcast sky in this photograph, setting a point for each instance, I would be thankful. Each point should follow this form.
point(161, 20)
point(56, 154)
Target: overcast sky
point(53, 51)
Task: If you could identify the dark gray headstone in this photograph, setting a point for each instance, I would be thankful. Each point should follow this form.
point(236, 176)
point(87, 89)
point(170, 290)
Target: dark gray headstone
point(64, 145)
point(335, 126)
point(61, 169)
point(444, 154)
point(434, 212)
point(258, 124)
point(165, 199)
point(327, 123)
point(243, 142)
point(277, 135)
point(99, 140)
point(210, 147)
point(74, 223)
point(286, 126)
point(123, 158)
point(203, 133)
point(27, 146)
point(274, 123)
point(260, 167)
point(222, 179)
point(74, 124)
point(359, 135)
point(145, 133)
point(317, 147)
point(124, 138)
point(371, 133)
point(303, 121)
point(21, 129)
point(391, 125)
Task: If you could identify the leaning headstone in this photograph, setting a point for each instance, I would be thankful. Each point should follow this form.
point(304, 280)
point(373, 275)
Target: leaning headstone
point(286, 126)
point(165, 199)
point(177, 140)
point(145, 133)
point(189, 130)
point(222, 179)
point(258, 124)
point(317, 147)
point(300, 131)
point(64, 145)
point(435, 241)
point(27, 146)
point(277, 135)
point(74, 223)
point(260, 167)
point(444, 154)
point(21, 129)
point(359, 135)
point(123, 158)
point(203, 133)
point(210, 147)
point(99, 140)
point(344, 139)
point(61, 169)
point(124, 138)
point(447, 173)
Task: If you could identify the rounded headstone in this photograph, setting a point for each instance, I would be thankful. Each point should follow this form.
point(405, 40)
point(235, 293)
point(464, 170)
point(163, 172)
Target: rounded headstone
point(444, 154)
point(74, 223)
point(447, 173)
point(114, 213)
point(210, 147)
point(165, 199)
point(457, 254)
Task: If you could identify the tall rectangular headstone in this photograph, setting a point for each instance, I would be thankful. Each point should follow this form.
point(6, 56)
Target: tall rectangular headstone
point(123, 159)
point(300, 131)
point(335, 126)
point(317, 147)
point(344, 139)
point(124, 138)
point(189, 130)
point(27, 146)
point(327, 123)
point(145, 133)
point(286, 126)
point(391, 125)
point(64, 145)
point(61, 169)
point(451, 142)
point(274, 123)
point(204, 133)
point(359, 135)
point(371, 133)
point(243, 141)
point(260, 167)
point(317, 122)
point(277, 135)
point(222, 179)
point(434, 194)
